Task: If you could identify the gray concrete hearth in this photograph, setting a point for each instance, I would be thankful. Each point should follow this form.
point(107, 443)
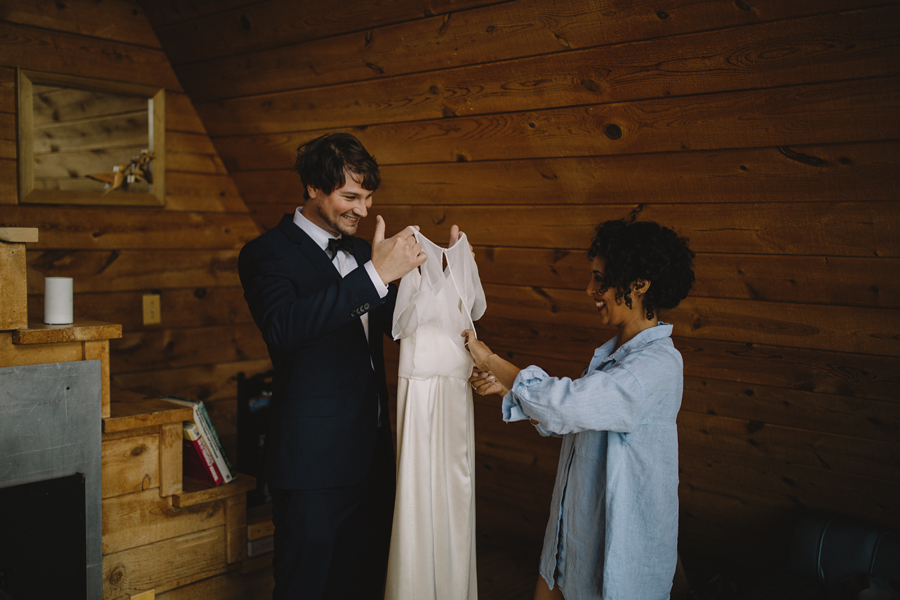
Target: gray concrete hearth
point(50, 427)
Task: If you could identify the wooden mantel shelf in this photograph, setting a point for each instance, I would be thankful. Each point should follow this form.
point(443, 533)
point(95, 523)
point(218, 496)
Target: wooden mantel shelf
point(130, 410)
point(40, 344)
point(83, 331)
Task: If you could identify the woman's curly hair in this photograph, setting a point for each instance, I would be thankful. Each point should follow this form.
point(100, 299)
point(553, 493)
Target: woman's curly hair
point(644, 250)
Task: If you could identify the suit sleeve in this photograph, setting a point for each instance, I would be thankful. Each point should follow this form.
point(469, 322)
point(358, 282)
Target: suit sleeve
point(290, 311)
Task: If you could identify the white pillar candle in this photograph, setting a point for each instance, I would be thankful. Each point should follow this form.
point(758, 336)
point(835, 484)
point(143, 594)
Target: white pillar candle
point(58, 300)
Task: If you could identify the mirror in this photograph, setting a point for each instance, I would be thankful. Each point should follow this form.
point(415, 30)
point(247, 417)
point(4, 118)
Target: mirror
point(90, 141)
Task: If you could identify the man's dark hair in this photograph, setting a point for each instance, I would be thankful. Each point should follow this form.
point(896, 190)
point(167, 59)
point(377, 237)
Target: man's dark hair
point(322, 162)
point(644, 250)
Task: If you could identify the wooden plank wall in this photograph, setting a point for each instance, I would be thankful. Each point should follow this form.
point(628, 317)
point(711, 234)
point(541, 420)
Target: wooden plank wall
point(185, 251)
point(765, 131)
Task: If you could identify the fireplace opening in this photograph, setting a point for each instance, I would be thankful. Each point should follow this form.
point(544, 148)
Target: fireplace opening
point(43, 539)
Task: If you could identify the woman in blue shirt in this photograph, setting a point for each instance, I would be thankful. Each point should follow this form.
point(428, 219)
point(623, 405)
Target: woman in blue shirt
point(613, 523)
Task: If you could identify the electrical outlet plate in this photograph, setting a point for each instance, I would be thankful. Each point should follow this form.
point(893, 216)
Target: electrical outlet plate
point(151, 309)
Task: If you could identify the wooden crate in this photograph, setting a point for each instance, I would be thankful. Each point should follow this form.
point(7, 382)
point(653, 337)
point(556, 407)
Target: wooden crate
point(162, 532)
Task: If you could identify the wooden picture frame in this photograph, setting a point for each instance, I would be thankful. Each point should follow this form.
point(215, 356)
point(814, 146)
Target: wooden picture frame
point(30, 193)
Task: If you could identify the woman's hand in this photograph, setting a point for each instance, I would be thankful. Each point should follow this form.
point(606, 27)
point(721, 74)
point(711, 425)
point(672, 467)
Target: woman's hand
point(503, 371)
point(479, 350)
point(484, 383)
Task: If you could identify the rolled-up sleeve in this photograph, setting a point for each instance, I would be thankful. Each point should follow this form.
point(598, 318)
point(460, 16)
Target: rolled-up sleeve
point(609, 400)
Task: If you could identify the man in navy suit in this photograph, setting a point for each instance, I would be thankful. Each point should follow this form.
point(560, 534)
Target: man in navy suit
point(322, 300)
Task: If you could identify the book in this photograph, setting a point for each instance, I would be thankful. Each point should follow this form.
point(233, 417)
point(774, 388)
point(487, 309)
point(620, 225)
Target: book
point(198, 460)
point(260, 546)
point(208, 432)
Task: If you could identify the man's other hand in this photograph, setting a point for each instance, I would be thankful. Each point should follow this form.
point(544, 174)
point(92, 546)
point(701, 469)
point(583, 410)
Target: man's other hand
point(395, 256)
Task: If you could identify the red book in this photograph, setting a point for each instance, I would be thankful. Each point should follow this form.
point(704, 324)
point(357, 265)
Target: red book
point(198, 461)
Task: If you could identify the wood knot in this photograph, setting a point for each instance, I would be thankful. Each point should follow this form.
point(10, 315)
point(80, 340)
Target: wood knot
point(245, 23)
point(662, 14)
point(613, 131)
point(137, 451)
point(117, 575)
point(562, 40)
point(590, 85)
point(754, 426)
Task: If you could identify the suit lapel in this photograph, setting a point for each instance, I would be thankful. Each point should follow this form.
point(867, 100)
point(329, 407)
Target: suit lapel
point(320, 260)
point(316, 256)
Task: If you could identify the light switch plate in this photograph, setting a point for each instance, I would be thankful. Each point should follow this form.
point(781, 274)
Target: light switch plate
point(152, 315)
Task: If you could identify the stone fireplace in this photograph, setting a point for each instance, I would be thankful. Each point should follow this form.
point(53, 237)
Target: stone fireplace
point(50, 493)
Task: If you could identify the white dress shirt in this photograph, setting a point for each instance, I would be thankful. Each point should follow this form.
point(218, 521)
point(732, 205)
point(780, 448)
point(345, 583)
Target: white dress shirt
point(344, 261)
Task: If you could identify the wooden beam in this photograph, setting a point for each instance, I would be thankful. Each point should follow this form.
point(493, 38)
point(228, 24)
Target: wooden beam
point(226, 31)
point(868, 282)
point(472, 37)
point(209, 382)
point(849, 45)
point(828, 413)
point(550, 316)
point(129, 228)
point(122, 21)
point(198, 192)
point(813, 487)
point(127, 270)
point(837, 112)
point(835, 173)
point(52, 51)
point(824, 229)
point(179, 307)
point(182, 347)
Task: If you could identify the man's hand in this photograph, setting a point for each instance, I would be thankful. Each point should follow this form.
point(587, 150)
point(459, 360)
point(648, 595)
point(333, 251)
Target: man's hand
point(396, 256)
point(454, 236)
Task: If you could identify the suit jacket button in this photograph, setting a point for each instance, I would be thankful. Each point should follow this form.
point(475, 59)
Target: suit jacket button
point(366, 306)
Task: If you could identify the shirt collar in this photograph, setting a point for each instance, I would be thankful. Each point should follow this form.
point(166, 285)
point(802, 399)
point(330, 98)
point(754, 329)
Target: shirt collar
point(318, 235)
point(605, 352)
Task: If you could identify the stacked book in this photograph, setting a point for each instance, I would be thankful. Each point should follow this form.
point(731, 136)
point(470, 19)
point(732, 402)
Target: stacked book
point(260, 533)
point(204, 456)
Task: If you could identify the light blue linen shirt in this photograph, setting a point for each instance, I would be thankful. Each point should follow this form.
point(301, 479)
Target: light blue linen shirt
point(613, 525)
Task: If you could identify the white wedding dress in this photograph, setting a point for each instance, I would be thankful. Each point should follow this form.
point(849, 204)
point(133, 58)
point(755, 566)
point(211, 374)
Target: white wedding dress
point(433, 539)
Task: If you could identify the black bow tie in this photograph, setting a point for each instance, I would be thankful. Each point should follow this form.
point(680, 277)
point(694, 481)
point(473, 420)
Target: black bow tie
point(341, 243)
